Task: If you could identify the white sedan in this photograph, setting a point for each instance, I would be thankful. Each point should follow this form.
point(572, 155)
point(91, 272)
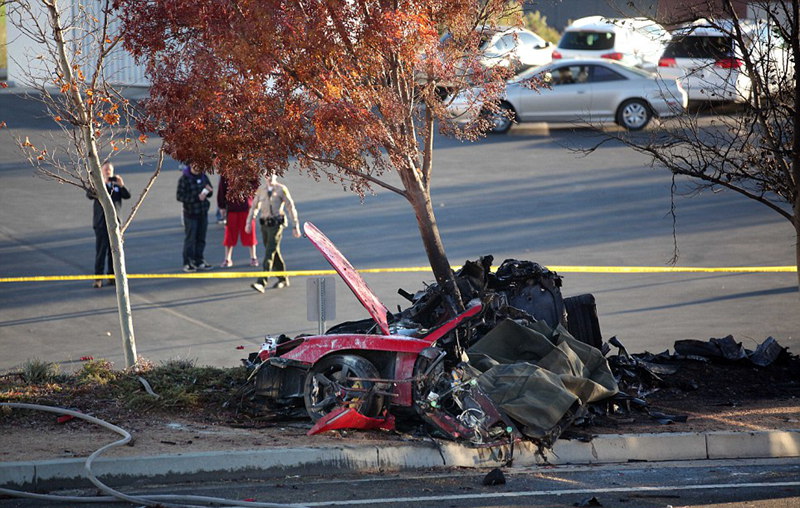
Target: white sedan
point(579, 91)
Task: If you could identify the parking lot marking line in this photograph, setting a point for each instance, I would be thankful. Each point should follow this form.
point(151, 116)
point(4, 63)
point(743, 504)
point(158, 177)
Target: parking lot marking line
point(311, 273)
point(555, 492)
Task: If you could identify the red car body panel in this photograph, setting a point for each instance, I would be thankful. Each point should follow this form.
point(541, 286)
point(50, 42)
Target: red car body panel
point(402, 350)
point(351, 277)
point(349, 418)
point(314, 348)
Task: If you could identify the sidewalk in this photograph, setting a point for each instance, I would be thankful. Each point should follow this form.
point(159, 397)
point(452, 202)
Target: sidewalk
point(385, 456)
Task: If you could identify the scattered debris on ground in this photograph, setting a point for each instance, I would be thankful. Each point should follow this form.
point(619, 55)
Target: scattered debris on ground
point(492, 367)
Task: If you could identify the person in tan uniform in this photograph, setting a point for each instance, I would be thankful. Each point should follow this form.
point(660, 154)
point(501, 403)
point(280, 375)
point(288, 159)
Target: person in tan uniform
point(271, 205)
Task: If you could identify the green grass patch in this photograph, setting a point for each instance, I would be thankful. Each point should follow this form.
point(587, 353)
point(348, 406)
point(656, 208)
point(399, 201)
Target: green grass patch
point(177, 387)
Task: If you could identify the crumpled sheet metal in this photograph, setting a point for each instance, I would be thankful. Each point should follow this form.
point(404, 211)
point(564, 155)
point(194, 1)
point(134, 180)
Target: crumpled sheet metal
point(349, 418)
point(537, 374)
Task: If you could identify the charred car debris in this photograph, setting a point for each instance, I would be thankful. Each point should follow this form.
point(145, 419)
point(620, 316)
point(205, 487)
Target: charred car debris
point(519, 361)
point(504, 367)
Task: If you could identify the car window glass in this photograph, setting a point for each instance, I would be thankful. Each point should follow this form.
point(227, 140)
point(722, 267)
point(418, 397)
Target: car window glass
point(530, 40)
point(601, 73)
point(587, 40)
point(508, 42)
point(700, 46)
point(569, 74)
point(526, 39)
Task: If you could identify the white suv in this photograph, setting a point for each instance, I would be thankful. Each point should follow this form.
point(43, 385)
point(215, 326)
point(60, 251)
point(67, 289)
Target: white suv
point(637, 42)
point(708, 59)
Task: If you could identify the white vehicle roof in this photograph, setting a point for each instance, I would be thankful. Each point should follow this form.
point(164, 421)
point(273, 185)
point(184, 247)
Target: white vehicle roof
point(714, 28)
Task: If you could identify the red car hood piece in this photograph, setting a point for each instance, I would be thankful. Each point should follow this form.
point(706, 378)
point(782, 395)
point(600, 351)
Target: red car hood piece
point(349, 418)
point(351, 277)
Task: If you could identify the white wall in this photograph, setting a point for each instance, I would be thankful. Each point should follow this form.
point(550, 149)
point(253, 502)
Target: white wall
point(30, 60)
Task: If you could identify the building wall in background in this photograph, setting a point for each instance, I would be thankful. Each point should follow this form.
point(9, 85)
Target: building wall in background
point(561, 13)
point(29, 60)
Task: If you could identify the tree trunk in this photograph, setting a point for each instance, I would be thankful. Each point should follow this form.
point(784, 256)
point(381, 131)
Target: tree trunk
point(795, 45)
point(84, 113)
point(123, 295)
point(420, 200)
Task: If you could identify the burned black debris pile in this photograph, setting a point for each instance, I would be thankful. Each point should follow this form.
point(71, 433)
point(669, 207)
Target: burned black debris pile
point(728, 349)
point(520, 290)
point(717, 372)
point(502, 356)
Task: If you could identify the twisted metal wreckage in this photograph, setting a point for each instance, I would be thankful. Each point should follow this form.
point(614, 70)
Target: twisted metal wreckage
point(505, 367)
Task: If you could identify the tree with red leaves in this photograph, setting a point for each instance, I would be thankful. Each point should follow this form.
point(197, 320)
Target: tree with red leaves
point(347, 90)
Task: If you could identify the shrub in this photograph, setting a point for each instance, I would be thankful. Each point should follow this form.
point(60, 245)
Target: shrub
point(535, 22)
point(37, 372)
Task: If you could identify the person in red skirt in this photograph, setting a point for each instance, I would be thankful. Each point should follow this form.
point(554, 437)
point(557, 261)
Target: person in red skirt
point(235, 209)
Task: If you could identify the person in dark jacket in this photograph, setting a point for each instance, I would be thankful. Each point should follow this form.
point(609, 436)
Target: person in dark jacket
point(115, 187)
point(194, 189)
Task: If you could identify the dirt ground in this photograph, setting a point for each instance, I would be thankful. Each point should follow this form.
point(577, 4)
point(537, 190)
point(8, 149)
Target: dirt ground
point(712, 396)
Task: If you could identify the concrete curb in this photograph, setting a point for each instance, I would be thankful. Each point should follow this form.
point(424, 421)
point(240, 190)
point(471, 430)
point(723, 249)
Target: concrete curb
point(278, 462)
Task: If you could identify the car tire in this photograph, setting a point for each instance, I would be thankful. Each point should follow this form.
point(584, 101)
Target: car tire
point(328, 381)
point(634, 114)
point(501, 121)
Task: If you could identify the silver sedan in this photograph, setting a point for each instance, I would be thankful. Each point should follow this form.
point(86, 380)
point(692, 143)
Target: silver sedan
point(579, 91)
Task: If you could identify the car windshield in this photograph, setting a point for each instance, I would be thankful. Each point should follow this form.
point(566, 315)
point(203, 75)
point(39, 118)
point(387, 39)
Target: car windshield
point(714, 47)
point(586, 40)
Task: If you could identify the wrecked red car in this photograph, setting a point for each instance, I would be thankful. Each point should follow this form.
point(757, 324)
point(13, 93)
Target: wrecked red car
point(364, 373)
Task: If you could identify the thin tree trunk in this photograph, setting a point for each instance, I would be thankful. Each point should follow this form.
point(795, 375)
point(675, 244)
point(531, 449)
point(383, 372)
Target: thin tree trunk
point(795, 45)
point(429, 232)
point(83, 112)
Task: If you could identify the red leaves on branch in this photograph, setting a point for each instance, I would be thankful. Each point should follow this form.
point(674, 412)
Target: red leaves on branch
point(255, 82)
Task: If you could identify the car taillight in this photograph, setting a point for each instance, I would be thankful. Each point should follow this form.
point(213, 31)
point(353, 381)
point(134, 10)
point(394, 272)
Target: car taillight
point(667, 62)
point(613, 56)
point(728, 63)
point(556, 55)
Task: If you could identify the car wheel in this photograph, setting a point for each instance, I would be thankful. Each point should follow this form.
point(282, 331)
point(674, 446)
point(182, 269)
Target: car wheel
point(502, 120)
point(341, 381)
point(633, 114)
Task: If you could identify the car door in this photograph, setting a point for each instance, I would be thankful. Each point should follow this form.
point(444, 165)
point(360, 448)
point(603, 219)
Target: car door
point(568, 97)
point(608, 91)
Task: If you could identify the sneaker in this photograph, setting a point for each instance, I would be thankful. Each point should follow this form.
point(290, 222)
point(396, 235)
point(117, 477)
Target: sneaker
point(204, 266)
point(97, 284)
point(258, 287)
point(254, 262)
point(226, 264)
point(189, 268)
point(281, 284)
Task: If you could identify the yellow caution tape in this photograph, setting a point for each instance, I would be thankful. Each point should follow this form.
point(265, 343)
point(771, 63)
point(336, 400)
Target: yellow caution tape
point(309, 273)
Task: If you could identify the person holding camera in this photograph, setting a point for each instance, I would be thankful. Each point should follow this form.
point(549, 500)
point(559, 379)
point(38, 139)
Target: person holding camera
point(194, 189)
point(115, 187)
point(270, 206)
